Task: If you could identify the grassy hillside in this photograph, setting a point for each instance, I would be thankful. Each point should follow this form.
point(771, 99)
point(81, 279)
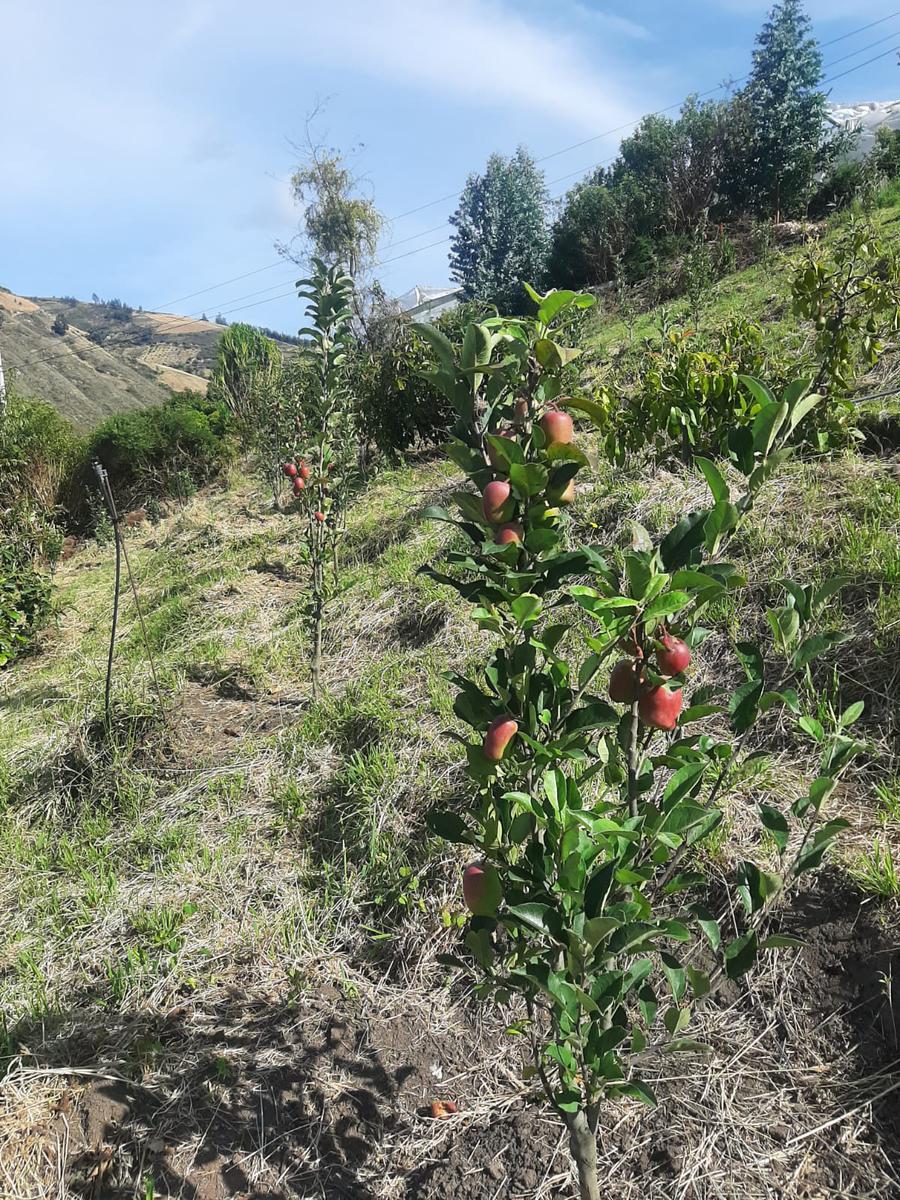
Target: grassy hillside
point(220, 921)
point(234, 900)
point(109, 359)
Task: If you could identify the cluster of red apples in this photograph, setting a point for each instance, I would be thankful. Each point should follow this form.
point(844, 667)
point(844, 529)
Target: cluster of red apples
point(497, 501)
point(298, 473)
point(659, 701)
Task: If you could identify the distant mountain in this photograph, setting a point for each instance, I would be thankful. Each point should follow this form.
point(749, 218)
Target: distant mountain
point(93, 359)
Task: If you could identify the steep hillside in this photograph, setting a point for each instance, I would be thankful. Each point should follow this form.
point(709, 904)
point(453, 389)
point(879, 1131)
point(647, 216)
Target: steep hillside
point(110, 357)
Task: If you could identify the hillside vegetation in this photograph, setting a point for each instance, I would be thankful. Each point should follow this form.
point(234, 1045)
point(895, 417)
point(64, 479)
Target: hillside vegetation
point(102, 358)
point(223, 915)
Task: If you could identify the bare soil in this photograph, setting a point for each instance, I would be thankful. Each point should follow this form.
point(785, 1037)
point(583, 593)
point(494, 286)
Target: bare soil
point(327, 1094)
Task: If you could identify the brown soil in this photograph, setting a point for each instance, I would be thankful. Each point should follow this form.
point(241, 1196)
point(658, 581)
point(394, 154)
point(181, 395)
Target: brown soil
point(258, 1096)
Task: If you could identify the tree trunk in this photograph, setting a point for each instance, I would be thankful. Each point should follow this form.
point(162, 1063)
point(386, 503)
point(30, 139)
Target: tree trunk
point(583, 1148)
point(317, 650)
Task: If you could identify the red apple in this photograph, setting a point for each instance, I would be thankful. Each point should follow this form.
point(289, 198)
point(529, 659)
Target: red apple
point(304, 471)
point(320, 516)
point(558, 427)
point(659, 707)
point(482, 890)
point(674, 656)
point(497, 503)
point(492, 453)
point(299, 485)
point(624, 681)
point(500, 733)
point(290, 470)
point(506, 534)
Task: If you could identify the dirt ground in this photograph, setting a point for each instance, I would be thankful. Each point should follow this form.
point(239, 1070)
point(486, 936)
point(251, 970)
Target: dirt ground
point(322, 1093)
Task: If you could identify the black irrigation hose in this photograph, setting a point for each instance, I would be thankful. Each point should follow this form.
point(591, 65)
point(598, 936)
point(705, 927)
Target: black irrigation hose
point(121, 552)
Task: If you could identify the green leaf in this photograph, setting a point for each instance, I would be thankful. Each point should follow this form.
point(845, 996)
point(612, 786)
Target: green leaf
point(818, 644)
point(683, 783)
point(540, 541)
point(699, 981)
point(780, 941)
point(553, 303)
point(722, 517)
point(675, 974)
point(708, 925)
point(761, 394)
point(535, 916)
point(666, 605)
point(676, 1019)
point(777, 825)
point(528, 479)
point(447, 825)
point(599, 928)
point(526, 609)
point(597, 889)
point(812, 728)
point(715, 479)
point(766, 427)
point(438, 341)
point(567, 452)
point(682, 543)
point(744, 705)
point(686, 1046)
point(740, 955)
point(802, 409)
point(507, 450)
point(635, 1089)
point(590, 408)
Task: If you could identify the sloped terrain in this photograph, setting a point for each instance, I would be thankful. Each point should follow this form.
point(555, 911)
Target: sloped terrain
point(218, 948)
point(109, 359)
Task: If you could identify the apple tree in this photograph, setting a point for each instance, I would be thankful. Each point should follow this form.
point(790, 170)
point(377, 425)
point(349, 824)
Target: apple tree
point(323, 470)
point(597, 770)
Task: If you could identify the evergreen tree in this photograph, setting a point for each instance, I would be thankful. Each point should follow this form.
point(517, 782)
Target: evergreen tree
point(784, 112)
point(502, 238)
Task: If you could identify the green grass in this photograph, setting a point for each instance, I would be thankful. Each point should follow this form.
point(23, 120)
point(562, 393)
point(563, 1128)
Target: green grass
point(760, 293)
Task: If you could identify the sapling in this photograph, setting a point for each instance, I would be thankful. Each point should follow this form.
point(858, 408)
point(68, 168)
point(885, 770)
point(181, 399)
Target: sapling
point(585, 816)
point(326, 475)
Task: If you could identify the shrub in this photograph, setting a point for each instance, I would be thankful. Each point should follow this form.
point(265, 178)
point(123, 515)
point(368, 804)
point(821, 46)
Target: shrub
point(150, 451)
point(24, 597)
point(691, 394)
point(39, 449)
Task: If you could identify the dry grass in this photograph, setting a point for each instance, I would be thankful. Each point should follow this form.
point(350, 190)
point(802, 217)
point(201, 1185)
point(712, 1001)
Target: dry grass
point(197, 904)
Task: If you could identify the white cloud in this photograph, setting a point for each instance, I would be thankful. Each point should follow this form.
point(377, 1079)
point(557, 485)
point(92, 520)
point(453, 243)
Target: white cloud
point(482, 52)
point(611, 21)
point(819, 10)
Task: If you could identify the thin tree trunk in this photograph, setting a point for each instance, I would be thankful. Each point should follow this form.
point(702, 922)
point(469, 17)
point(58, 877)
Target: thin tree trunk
point(317, 650)
point(583, 1148)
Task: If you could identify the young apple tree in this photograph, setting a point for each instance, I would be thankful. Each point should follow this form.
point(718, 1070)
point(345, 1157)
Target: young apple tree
point(323, 471)
point(588, 895)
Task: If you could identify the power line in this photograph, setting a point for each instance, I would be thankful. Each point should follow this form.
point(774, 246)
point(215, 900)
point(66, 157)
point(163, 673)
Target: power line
point(859, 66)
point(658, 113)
point(174, 321)
point(544, 158)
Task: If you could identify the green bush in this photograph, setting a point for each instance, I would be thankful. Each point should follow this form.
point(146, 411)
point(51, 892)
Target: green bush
point(24, 583)
point(153, 451)
point(398, 410)
point(39, 449)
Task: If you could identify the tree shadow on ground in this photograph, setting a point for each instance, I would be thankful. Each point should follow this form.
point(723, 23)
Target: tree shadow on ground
point(243, 1098)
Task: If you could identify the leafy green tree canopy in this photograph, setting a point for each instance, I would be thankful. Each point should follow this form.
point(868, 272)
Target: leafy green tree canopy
point(502, 236)
point(784, 109)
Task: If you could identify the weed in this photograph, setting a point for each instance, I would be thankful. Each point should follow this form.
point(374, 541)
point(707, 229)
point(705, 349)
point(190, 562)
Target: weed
point(876, 872)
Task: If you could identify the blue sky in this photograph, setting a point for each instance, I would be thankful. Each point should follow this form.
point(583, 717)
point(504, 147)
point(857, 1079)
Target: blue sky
point(147, 148)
